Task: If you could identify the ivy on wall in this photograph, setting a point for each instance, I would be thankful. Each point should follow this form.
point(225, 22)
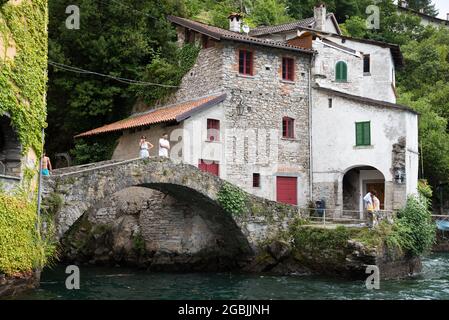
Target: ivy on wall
point(23, 78)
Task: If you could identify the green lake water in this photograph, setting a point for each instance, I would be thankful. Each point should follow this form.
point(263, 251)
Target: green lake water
point(120, 283)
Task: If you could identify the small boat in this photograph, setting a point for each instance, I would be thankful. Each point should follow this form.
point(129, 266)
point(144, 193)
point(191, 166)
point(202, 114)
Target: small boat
point(443, 225)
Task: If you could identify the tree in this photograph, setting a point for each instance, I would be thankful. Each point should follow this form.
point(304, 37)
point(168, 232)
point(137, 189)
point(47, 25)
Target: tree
point(116, 38)
point(426, 5)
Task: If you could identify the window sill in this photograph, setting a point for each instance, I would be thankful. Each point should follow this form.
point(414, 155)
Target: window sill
point(247, 76)
point(341, 81)
point(287, 81)
point(367, 74)
point(290, 139)
point(364, 147)
point(210, 141)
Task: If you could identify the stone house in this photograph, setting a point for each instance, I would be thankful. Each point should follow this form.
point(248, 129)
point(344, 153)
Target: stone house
point(361, 139)
point(289, 113)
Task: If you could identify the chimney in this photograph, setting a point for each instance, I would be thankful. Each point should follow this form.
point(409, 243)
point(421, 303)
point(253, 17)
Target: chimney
point(447, 17)
point(235, 22)
point(319, 13)
point(403, 3)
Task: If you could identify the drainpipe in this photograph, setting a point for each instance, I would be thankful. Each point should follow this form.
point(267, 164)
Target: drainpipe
point(39, 190)
point(312, 65)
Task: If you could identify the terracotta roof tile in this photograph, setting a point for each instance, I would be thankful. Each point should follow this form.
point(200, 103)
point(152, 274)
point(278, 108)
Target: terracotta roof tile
point(223, 34)
point(176, 112)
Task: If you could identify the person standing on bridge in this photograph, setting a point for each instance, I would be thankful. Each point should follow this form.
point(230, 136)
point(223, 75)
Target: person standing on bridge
point(145, 147)
point(164, 145)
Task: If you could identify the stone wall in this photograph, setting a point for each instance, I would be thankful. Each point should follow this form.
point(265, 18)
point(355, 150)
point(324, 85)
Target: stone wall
point(87, 189)
point(144, 227)
point(265, 99)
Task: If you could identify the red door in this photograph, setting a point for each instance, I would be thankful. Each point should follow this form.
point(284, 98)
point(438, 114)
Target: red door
point(286, 190)
point(209, 166)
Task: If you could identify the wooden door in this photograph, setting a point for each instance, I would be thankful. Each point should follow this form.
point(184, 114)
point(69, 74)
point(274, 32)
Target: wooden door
point(286, 190)
point(209, 166)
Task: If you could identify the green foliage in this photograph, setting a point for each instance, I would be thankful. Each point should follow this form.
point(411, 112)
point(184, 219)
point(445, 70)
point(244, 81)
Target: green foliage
point(162, 70)
point(321, 239)
point(257, 12)
point(415, 227)
point(232, 199)
point(22, 79)
point(21, 247)
point(425, 190)
point(119, 38)
point(94, 149)
point(426, 5)
point(139, 244)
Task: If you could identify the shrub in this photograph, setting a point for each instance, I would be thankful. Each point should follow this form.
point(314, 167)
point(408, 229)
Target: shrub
point(232, 199)
point(415, 230)
point(21, 247)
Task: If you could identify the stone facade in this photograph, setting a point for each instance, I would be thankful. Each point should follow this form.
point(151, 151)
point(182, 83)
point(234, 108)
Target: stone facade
point(392, 157)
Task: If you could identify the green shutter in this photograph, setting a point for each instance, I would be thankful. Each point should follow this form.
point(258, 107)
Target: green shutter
point(363, 133)
point(344, 76)
point(366, 134)
point(341, 71)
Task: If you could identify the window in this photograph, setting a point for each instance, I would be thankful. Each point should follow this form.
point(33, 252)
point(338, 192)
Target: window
point(341, 72)
point(246, 62)
point(366, 63)
point(363, 133)
point(330, 103)
point(288, 130)
point(256, 180)
point(213, 130)
point(288, 69)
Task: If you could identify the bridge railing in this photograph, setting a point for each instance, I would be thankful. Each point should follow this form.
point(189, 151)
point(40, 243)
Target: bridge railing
point(343, 217)
point(83, 167)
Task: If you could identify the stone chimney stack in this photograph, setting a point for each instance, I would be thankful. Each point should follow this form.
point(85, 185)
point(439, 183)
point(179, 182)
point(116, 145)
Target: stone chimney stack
point(319, 13)
point(235, 22)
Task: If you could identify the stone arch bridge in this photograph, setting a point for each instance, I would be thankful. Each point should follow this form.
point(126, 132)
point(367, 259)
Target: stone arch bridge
point(80, 188)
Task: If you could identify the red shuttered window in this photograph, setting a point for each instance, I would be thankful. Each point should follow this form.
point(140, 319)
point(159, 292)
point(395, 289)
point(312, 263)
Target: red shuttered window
point(246, 62)
point(288, 128)
point(213, 130)
point(288, 69)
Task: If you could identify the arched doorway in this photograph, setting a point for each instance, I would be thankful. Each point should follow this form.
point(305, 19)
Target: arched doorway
point(10, 149)
point(357, 182)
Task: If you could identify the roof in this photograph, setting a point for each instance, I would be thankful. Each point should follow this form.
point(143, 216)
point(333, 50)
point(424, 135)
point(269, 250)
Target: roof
point(176, 112)
point(424, 16)
point(223, 34)
point(308, 23)
point(395, 49)
point(378, 103)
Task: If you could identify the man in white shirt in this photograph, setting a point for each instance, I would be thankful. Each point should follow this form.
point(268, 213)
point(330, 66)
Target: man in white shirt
point(164, 146)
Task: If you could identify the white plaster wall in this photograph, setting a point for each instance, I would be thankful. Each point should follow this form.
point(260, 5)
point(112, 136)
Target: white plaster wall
point(412, 153)
point(378, 85)
point(333, 129)
point(195, 145)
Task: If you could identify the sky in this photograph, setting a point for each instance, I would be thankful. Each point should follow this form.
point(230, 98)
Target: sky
point(443, 6)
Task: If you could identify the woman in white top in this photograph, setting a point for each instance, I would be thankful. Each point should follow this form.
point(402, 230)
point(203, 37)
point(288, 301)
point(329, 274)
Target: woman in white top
point(145, 147)
point(164, 146)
